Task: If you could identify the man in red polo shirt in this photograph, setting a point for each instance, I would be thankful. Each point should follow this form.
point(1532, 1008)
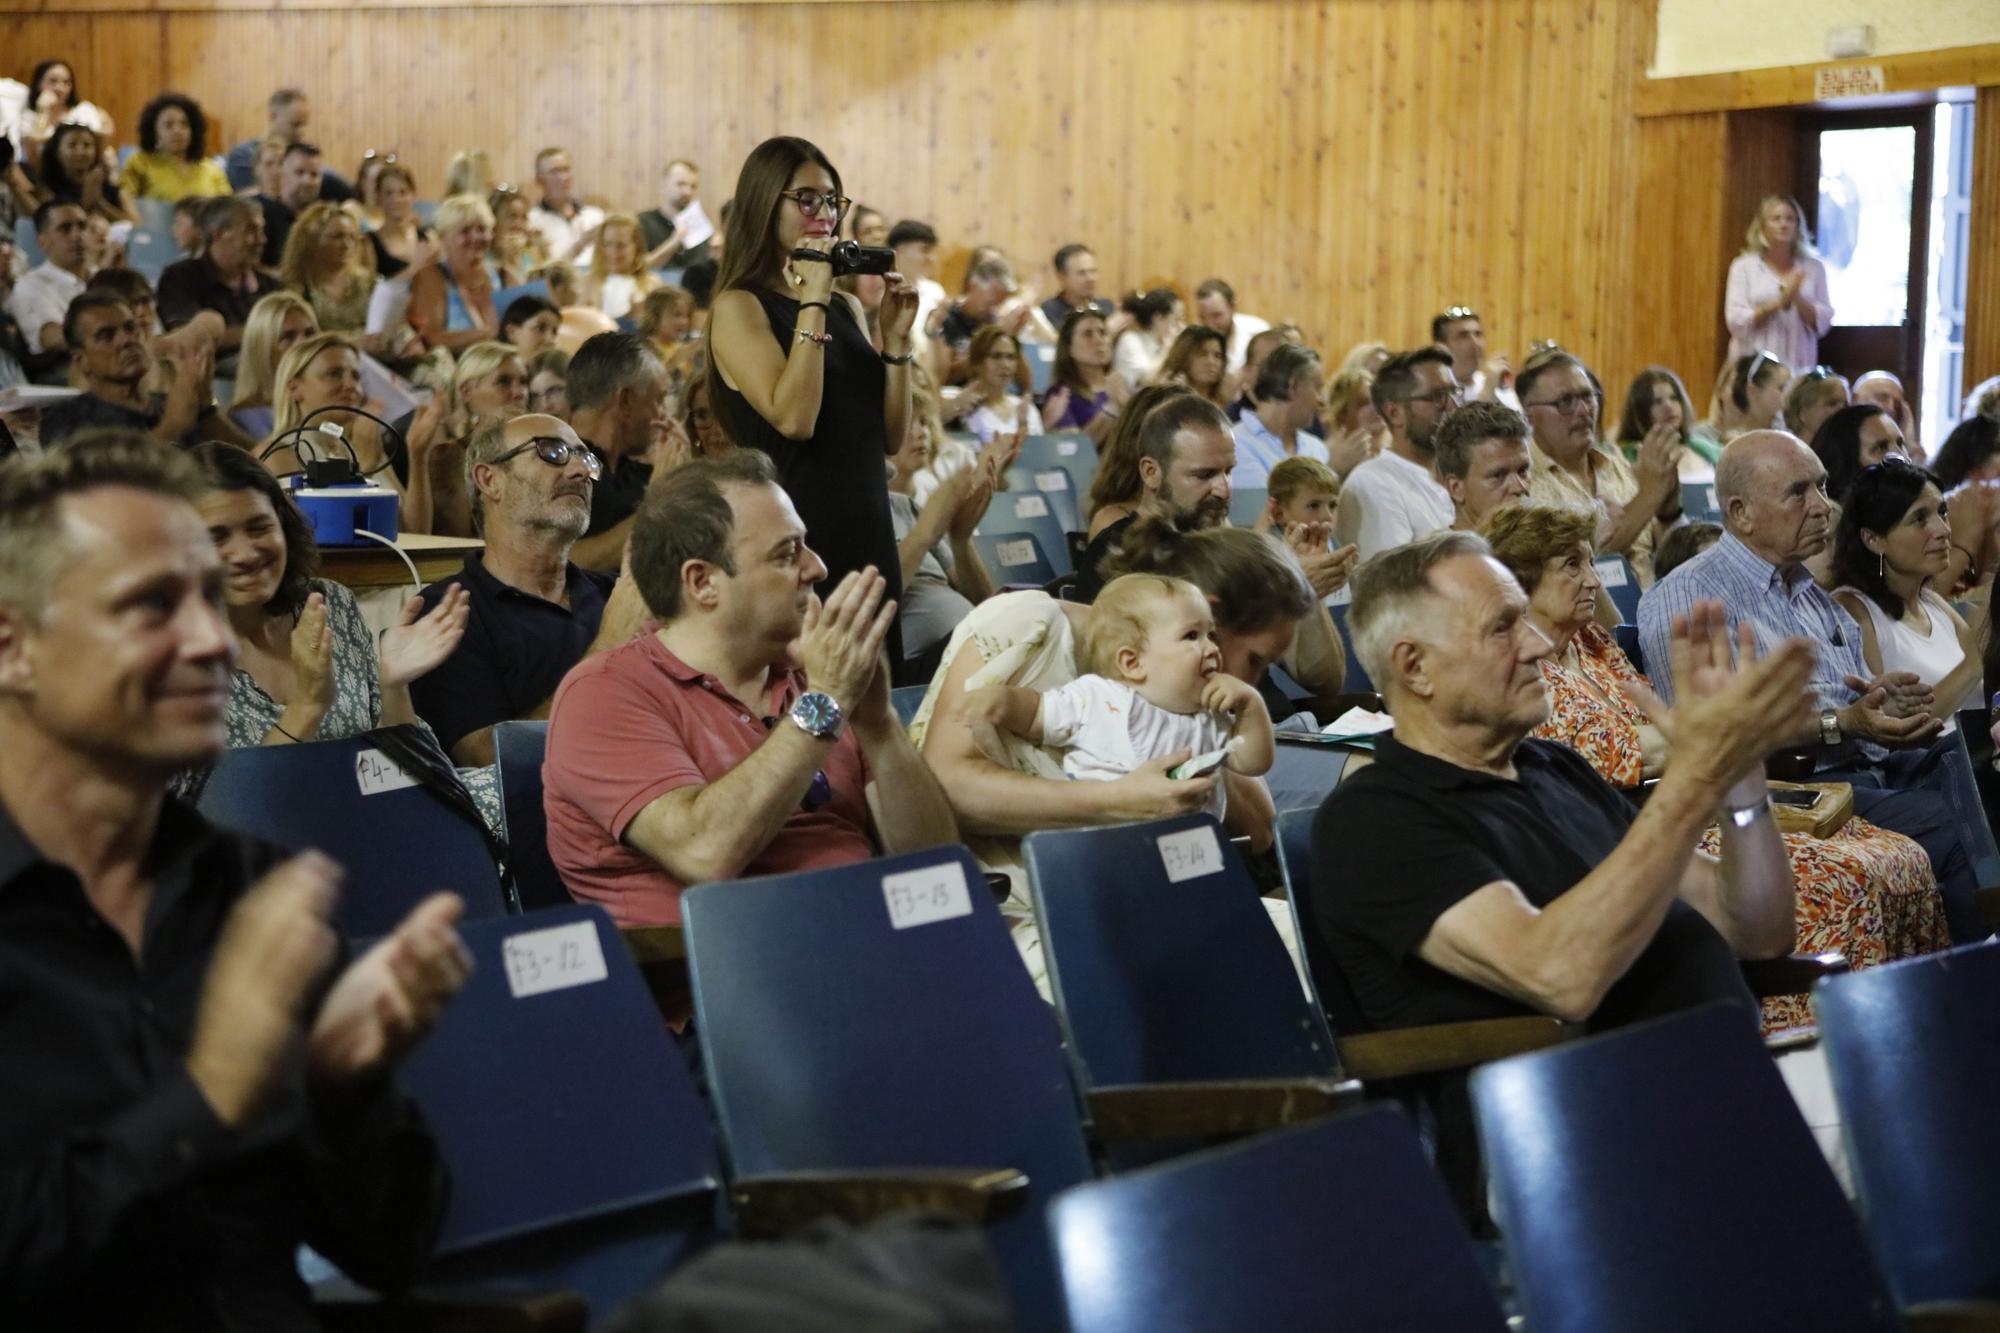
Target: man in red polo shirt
point(751, 733)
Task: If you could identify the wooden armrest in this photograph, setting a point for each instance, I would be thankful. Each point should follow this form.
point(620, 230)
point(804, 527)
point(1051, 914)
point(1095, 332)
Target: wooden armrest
point(1791, 1039)
point(1223, 1107)
point(344, 1308)
point(655, 944)
point(1401, 1052)
point(1971, 1316)
point(1795, 974)
point(770, 1205)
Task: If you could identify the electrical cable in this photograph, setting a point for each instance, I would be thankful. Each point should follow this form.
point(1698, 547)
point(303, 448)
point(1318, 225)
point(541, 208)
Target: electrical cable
point(416, 583)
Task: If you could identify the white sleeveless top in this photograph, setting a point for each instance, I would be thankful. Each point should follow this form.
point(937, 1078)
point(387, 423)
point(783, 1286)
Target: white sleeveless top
point(1930, 656)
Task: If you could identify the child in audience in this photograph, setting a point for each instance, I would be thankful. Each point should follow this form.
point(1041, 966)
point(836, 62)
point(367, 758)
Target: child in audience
point(1300, 490)
point(1154, 688)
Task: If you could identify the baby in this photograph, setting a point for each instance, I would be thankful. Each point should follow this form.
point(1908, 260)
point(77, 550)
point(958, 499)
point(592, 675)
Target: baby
point(1155, 688)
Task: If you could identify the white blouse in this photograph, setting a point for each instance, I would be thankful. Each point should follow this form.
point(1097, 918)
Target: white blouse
point(1785, 335)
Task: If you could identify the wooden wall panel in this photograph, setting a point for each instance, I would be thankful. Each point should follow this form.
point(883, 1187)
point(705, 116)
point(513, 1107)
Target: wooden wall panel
point(1354, 166)
point(1982, 288)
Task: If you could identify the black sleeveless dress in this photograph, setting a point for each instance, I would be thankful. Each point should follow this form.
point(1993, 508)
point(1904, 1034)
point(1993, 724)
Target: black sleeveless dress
point(838, 479)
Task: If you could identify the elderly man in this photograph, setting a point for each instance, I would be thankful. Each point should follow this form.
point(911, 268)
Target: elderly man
point(1483, 461)
point(751, 733)
point(1877, 734)
point(534, 614)
point(1395, 497)
point(1572, 465)
point(113, 358)
point(190, 1082)
point(1472, 873)
point(1286, 396)
point(567, 226)
point(224, 277)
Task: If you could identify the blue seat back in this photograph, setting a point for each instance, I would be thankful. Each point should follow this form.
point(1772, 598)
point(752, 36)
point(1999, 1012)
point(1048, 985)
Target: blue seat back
point(1302, 775)
point(580, 1153)
point(397, 841)
point(1071, 451)
point(1246, 506)
point(27, 242)
point(1628, 639)
point(1163, 960)
point(1337, 1224)
point(1699, 502)
point(835, 1038)
point(1621, 585)
point(1041, 358)
point(1028, 510)
point(906, 700)
point(1644, 1177)
point(1295, 860)
point(1013, 558)
point(508, 295)
point(518, 749)
point(1914, 1051)
point(1357, 675)
point(1056, 487)
point(149, 251)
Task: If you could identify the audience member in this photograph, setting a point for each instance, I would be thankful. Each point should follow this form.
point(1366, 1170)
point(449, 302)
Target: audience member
point(1081, 388)
point(224, 277)
point(791, 370)
point(299, 173)
point(326, 263)
point(1460, 331)
point(915, 244)
point(73, 171)
point(1884, 390)
point(567, 226)
point(172, 160)
point(1571, 464)
point(1260, 346)
point(52, 102)
point(529, 324)
point(534, 615)
point(366, 206)
point(1286, 393)
point(1368, 356)
point(1395, 497)
point(1683, 542)
point(1749, 395)
point(197, 1080)
point(277, 323)
point(985, 406)
point(1170, 458)
point(1893, 541)
point(1874, 732)
point(1776, 297)
point(112, 358)
point(548, 383)
point(1300, 490)
point(185, 225)
point(1215, 308)
point(943, 575)
point(1076, 292)
point(666, 318)
point(614, 388)
point(470, 171)
point(752, 732)
point(1137, 352)
point(1483, 460)
point(1656, 398)
point(288, 111)
point(451, 301)
point(319, 380)
point(518, 250)
point(867, 226)
point(989, 283)
point(1814, 395)
point(1850, 440)
point(1197, 358)
point(618, 277)
point(44, 292)
point(270, 167)
point(667, 234)
point(1969, 455)
point(401, 240)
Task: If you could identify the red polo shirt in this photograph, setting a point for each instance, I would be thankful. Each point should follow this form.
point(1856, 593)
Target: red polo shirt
point(632, 724)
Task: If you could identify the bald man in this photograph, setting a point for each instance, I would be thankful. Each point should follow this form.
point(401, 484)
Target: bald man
point(1876, 733)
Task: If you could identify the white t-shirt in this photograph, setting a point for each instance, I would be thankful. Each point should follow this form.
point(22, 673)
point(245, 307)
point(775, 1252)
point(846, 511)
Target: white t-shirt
point(1242, 328)
point(1106, 729)
point(559, 233)
point(42, 297)
point(1389, 501)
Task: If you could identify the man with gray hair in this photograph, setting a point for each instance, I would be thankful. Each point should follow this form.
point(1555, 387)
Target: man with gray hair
point(224, 277)
point(617, 389)
point(1471, 872)
point(989, 283)
point(534, 614)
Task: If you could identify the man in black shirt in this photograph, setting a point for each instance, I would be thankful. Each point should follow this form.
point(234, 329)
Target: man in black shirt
point(188, 1090)
point(112, 355)
point(1076, 270)
point(616, 388)
point(223, 278)
point(299, 177)
point(1185, 456)
point(666, 242)
point(1471, 873)
point(534, 614)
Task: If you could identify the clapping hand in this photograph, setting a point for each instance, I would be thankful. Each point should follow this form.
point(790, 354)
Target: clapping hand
point(1326, 570)
point(1660, 457)
point(418, 642)
point(840, 647)
point(392, 996)
point(970, 491)
point(312, 656)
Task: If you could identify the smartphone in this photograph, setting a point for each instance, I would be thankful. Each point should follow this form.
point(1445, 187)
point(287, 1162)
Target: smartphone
point(1200, 766)
point(1804, 800)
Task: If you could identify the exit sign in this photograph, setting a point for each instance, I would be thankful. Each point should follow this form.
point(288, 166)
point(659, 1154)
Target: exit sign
point(1832, 82)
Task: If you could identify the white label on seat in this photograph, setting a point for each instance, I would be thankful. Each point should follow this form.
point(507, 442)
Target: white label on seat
point(1611, 573)
point(1052, 481)
point(1191, 853)
point(553, 959)
point(1066, 448)
point(377, 773)
point(932, 893)
point(1713, 503)
point(1031, 506)
point(1013, 554)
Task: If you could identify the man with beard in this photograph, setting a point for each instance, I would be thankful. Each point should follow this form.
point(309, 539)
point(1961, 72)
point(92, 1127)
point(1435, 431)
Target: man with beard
point(534, 614)
point(1186, 453)
point(109, 349)
point(1394, 498)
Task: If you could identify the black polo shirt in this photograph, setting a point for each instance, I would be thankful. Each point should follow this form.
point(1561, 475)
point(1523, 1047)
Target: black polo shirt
point(190, 286)
point(87, 411)
point(516, 650)
point(1410, 835)
point(124, 1201)
point(616, 495)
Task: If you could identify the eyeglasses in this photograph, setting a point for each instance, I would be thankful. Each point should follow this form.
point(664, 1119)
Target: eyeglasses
point(1570, 403)
point(556, 452)
point(1443, 397)
point(813, 201)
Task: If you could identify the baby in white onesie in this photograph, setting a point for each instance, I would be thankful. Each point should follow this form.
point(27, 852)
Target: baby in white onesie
point(1154, 688)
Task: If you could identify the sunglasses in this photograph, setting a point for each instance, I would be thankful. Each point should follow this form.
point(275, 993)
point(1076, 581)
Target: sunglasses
point(1461, 312)
point(556, 452)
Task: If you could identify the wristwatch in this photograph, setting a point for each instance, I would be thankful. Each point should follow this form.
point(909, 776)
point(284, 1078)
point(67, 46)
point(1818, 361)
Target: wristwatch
point(817, 715)
point(1829, 727)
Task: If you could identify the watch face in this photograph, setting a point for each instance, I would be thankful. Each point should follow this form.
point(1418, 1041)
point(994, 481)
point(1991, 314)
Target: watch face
point(817, 712)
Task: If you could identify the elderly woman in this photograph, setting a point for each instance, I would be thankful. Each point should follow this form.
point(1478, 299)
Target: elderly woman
point(277, 323)
point(1865, 891)
point(1776, 296)
point(326, 263)
point(451, 301)
point(172, 161)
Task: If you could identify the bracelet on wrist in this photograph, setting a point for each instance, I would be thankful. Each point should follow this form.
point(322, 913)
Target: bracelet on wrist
point(814, 305)
point(1743, 816)
point(808, 336)
point(902, 360)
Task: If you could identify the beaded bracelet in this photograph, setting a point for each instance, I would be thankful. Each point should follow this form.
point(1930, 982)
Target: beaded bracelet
point(808, 336)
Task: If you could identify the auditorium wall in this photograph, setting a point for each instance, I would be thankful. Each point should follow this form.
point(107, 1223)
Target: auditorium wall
point(1354, 166)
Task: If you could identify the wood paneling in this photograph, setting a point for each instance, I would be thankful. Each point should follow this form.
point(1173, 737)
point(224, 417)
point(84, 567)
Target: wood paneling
point(1352, 166)
point(1982, 287)
point(1792, 85)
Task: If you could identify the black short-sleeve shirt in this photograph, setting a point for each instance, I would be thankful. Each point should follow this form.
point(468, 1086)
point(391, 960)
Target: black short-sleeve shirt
point(616, 495)
point(189, 286)
point(1406, 838)
point(516, 650)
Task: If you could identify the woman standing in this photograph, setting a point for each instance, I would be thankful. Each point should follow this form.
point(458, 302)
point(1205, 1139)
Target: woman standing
point(1776, 299)
point(793, 373)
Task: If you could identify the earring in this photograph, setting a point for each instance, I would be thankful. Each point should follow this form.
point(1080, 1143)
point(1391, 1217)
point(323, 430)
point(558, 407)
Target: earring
point(1882, 565)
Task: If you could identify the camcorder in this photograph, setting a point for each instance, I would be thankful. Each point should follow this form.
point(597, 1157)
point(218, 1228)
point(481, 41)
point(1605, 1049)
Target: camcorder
point(852, 257)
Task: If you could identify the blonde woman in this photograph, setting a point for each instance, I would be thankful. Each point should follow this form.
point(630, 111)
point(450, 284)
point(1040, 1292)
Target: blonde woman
point(1776, 298)
point(489, 384)
point(517, 247)
point(618, 278)
point(326, 262)
point(321, 375)
point(451, 301)
point(277, 323)
point(1368, 356)
point(1355, 431)
point(469, 172)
